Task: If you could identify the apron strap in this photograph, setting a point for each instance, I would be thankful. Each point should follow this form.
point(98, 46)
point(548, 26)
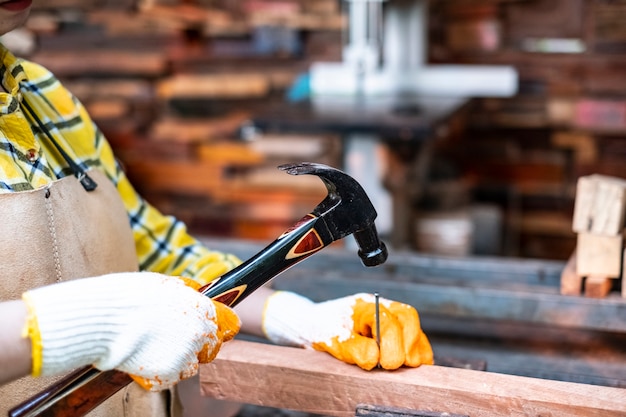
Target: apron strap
point(86, 181)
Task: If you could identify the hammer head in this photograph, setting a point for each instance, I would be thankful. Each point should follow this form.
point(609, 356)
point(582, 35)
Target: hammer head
point(346, 210)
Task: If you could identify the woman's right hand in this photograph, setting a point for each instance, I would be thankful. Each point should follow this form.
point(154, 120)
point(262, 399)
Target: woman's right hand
point(152, 326)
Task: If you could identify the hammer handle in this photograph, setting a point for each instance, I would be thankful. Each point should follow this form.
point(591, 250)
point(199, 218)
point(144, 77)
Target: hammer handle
point(83, 390)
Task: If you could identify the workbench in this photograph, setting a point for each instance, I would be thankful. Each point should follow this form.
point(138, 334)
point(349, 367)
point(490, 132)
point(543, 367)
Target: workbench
point(407, 126)
point(411, 120)
point(543, 353)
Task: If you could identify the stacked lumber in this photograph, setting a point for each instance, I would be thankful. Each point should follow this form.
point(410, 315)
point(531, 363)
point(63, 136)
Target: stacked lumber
point(599, 223)
point(188, 65)
point(227, 20)
point(172, 82)
point(569, 116)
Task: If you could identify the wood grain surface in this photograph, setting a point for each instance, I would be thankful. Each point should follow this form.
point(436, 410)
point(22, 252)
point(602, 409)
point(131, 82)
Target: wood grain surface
point(314, 382)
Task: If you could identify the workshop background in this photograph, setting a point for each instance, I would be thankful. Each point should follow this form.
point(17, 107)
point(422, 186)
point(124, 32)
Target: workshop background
point(186, 92)
point(173, 85)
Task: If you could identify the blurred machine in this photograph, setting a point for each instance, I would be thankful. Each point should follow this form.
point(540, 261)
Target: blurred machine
point(384, 54)
point(384, 78)
point(383, 97)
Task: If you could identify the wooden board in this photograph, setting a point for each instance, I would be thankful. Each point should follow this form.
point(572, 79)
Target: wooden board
point(314, 382)
point(504, 302)
point(213, 86)
point(598, 286)
point(495, 310)
point(481, 288)
point(599, 255)
point(187, 177)
point(600, 205)
point(196, 130)
point(571, 282)
point(609, 32)
point(544, 18)
point(111, 62)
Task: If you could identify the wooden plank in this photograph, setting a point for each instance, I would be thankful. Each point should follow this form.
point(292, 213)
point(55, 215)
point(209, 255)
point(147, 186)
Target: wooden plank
point(599, 255)
point(130, 89)
point(304, 21)
point(196, 130)
point(571, 282)
point(73, 4)
point(194, 178)
point(325, 7)
point(598, 286)
point(102, 62)
point(108, 109)
point(251, 197)
point(408, 266)
point(609, 18)
point(473, 27)
point(232, 85)
point(583, 206)
point(609, 31)
point(314, 382)
point(544, 18)
point(124, 23)
point(228, 153)
point(550, 169)
point(524, 350)
point(482, 288)
point(582, 144)
point(600, 205)
point(211, 19)
point(512, 303)
point(609, 206)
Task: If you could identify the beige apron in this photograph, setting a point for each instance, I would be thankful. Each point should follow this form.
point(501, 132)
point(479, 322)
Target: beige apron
point(62, 232)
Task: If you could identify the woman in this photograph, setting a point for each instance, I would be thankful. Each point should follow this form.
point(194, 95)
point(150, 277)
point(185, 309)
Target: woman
point(71, 213)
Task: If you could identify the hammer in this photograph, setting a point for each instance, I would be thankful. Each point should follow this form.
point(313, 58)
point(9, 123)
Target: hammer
point(345, 210)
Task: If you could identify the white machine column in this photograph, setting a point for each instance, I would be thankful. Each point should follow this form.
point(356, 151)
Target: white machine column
point(406, 35)
point(365, 161)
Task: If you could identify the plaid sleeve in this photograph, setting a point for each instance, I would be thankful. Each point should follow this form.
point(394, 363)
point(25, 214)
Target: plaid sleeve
point(163, 243)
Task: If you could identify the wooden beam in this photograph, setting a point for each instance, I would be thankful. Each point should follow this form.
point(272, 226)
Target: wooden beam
point(314, 382)
point(481, 288)
point(571, 282)
point(598, 286)
point(109, 61)
point(600, 205)
point(599, 255)
point(210, 86)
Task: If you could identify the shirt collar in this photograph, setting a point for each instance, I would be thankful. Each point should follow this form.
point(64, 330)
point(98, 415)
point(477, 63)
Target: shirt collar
point(11, 75)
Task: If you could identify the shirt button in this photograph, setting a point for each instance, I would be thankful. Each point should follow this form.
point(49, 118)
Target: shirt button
point(32, 155)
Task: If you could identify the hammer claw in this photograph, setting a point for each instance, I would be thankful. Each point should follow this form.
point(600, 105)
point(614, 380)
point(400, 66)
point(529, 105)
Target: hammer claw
point(346, 209)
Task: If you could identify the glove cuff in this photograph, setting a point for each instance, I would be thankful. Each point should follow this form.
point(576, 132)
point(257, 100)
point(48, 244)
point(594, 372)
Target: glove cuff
point(74, 323)
point(286, 315)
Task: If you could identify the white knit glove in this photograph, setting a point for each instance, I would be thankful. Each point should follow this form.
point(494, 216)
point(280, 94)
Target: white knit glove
point(149, 325)
point(346, 328)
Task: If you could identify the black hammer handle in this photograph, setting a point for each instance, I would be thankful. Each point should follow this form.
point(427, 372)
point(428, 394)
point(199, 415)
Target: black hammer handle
point(86, 388)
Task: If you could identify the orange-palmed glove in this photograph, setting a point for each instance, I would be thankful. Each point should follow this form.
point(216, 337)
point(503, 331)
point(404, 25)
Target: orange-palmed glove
point(228, 325)
point(149, 325)
point(346, 328)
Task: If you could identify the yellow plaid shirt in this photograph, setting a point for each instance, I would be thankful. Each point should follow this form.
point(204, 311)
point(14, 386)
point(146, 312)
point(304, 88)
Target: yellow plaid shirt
point(29, 161)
